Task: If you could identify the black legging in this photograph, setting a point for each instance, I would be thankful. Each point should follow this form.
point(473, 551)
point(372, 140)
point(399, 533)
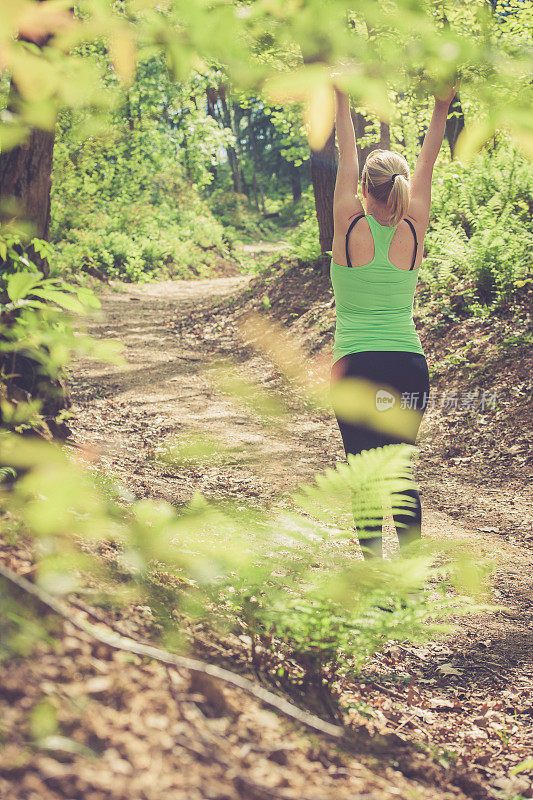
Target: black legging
point(404, 373)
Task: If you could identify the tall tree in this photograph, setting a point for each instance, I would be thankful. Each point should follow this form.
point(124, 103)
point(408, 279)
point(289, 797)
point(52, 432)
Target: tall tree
point(455, 123)
point(25, 170)
point(228, 118)
point(323, 174)
point(296, 183)
point(25, 176)
point(384, 136)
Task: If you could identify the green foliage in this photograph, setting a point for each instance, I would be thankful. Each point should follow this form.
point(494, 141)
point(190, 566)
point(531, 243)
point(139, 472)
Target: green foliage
point(30, 291)
point(141, 135)
point(128, 208)
point(303, 240)
point(285, 578)
point(137, 202)
point(481, 226)
point(21, 626)
point(37, 337)
point(308, 599)
point(288, 52)
point(15, 256)
point(289, 125)
point(240, 220)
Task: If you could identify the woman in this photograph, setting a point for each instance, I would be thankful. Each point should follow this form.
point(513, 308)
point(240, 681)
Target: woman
point(377, 250)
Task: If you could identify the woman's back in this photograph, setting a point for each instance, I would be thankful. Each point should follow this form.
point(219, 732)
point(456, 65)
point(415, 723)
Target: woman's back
point(374, 301)
point(362, 247)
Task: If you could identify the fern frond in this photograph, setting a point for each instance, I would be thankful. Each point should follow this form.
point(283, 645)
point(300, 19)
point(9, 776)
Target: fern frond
point(370, 482)
point(6, 473)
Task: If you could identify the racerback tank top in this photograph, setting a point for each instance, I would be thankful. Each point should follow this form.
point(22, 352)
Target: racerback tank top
point(374, 303)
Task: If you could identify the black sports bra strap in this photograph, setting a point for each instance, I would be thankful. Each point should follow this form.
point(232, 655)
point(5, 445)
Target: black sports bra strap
point(354, 222)
point(416, 241)
point(351, 227)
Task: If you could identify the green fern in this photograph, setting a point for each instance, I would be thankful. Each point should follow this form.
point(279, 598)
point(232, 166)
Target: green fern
point(357, 492)
point(481, 224)
point(287, 578)
point(7, 473)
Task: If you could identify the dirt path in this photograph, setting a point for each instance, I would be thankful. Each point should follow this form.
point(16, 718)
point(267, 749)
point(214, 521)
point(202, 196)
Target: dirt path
point(166, 390)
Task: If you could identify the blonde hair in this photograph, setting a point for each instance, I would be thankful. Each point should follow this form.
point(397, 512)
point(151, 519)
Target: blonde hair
point(386, 177)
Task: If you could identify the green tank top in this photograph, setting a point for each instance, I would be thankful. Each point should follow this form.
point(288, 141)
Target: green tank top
point(374, 303)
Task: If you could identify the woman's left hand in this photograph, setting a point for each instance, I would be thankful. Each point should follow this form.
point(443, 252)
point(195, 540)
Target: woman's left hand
point(446, 95)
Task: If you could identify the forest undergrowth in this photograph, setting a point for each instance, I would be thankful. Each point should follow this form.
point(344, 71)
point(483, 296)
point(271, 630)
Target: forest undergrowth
point(464, 699)
point(185, 612)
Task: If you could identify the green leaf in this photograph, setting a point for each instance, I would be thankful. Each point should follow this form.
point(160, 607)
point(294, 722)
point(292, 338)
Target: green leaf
point(20, 284)
point(67, 301)
point(524, 766)
point(63, 744)
point(471, 140)
point(88, 297)
point(12, 135)
point(43, 720)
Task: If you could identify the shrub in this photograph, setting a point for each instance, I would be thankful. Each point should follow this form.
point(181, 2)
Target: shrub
point(481, 226)
point(37, 338)
point(304, 238)
point(142, 222)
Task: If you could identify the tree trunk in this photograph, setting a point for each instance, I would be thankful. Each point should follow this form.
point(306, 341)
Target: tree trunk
point(261, 195)
point(25, 184)
point(237, 113)
point(296, 183)
point(233, 157)
point(323, 174)
point(384, 136)
point(360, 123)
point(129, 116)
point(455, 123)
point(26, 170)
point(255, 192)
point(26, 177)
point(257, 187)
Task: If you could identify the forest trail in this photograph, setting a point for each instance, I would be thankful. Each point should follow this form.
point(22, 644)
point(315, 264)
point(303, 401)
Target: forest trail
point(122, 414)
point(165, 392)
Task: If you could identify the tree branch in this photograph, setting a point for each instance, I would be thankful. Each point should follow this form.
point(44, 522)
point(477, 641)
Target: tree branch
point(193, 665)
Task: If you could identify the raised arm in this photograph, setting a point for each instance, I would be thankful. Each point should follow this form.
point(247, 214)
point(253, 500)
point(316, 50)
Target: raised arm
point(345, 200)
point(420, 200)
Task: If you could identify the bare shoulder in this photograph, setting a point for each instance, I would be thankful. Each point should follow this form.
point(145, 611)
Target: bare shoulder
point(344, 208)
point(418, 213)
point(342, 221)
point(420, 224)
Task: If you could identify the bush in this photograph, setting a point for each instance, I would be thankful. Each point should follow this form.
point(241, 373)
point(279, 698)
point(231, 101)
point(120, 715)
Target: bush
point(281, 578)
point(240, 219)
point(481, 226)
point(303, 240)
point(37, 338)
point(143, 221)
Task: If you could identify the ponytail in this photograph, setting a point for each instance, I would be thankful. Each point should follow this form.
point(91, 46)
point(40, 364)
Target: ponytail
point(387, 178)
point(398, 199)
